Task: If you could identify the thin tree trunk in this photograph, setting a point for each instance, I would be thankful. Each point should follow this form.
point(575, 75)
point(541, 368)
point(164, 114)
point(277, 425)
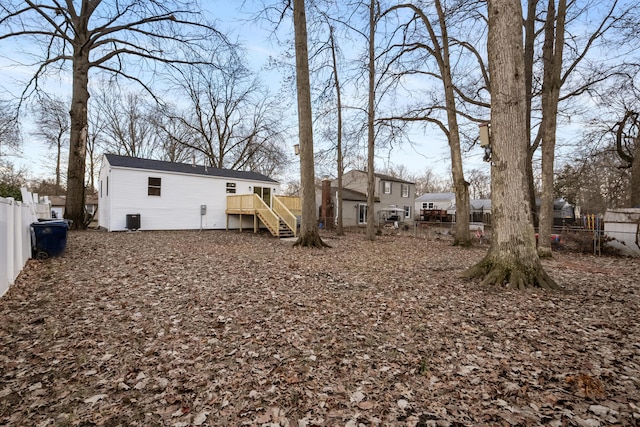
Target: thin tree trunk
point(74, 205)
point(529, 49)
point(635, 175)
point(461, 186)
point(370, 127)
point(552, 58)
point(512, 258)
point(338, 208)
point(309, 235)
point(58, 156)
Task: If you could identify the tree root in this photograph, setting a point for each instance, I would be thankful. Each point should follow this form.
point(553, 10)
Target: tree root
point(311, 241)
point(512, 277)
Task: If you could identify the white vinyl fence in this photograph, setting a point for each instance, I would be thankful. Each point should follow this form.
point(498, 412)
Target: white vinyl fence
point(15, 235)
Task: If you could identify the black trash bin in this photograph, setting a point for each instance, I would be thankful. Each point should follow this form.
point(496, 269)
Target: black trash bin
point(49, 238)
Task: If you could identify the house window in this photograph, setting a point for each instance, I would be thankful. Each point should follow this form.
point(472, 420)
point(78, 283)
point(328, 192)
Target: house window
point(407, 211)
point(154, 186)
point(362, 213)
point(107, 186)
point(405, 190)
point(427, 205)
point(231, 187)
point(386, 187)
point(100, 189)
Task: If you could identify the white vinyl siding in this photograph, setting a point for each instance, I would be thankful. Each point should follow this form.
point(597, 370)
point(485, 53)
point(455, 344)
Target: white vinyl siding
point(179, 206)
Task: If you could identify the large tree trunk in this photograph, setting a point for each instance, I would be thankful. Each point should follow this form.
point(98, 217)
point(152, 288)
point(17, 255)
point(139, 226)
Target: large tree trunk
point(309, 235)
point(74, 205)
point(552, 59)
point(371, 180)
point(512, 258)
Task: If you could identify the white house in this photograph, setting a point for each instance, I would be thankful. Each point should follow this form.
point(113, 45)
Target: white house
point(435, 206)
point(172, 196)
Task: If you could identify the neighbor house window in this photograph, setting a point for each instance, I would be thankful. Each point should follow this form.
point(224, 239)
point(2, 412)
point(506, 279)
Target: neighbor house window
point(100, 189)
point(407, 211)
point(362, 213)
point(154, 186)
point(386, 187)
point(231, 187)
point(405, 190)
point(107, 186)
point(427, 205)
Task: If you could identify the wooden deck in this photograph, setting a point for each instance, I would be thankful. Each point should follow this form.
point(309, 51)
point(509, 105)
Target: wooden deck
point(281, 219)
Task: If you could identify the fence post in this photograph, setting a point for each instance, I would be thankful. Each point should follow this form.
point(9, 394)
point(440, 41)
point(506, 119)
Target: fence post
point(11, 230)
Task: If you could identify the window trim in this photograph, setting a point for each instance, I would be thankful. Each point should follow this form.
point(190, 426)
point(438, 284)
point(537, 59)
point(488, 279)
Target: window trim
point(153, 187)
point(404, 190)
point(362, 206)
point(384, 187)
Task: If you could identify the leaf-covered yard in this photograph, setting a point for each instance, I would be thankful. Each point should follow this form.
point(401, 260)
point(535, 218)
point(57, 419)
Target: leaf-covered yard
point(222, 328)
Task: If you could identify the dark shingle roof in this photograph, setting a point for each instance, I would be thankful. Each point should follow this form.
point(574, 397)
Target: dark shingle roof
point(387, 177)
point(159, 165)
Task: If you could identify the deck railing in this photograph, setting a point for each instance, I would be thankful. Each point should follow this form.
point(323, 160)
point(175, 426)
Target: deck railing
point(286, 208)
point(287, 216)
point(268, 217)
point(293, 203)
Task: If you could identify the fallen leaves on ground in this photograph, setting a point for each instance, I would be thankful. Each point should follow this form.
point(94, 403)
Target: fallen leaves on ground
point(224, 328)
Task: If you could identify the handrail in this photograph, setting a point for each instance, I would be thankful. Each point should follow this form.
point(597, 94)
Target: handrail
point(287, 216)
point(267, 216)
point(292, 203)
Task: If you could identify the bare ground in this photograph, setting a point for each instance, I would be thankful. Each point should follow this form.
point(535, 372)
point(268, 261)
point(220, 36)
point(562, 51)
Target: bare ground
point(221, 328)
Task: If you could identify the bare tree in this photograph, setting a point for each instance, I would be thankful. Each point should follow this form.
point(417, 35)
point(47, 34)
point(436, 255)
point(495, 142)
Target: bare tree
point(628, 149)
point(309, 235)
point(52, 128)
point(120, 38)
point(236, 123)
point(9, 129)
point(512, 257)
point(429, 182)
point(479, 184)
point(371, 68)
point(438, 47)
point(127, 126)
point(552, 59)
point(173, 135)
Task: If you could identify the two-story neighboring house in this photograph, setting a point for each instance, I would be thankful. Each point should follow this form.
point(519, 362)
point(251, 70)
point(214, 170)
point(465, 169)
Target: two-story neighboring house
point(394, 199)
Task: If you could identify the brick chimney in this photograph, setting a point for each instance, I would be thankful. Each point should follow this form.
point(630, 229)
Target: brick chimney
point(326, 209)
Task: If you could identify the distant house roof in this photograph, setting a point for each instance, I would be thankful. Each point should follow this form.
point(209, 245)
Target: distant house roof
point(351, 195)
point(431, 197)
point(186, 168)
point(386, 177)
point(480, 204)
point(57, 200)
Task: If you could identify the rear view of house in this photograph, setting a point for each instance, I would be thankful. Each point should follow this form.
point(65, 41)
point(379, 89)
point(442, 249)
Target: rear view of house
point(156, 195)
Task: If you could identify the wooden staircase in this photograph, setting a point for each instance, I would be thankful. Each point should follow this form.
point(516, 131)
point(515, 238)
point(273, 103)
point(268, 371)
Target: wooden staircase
point(281, 220)
point(284, 230)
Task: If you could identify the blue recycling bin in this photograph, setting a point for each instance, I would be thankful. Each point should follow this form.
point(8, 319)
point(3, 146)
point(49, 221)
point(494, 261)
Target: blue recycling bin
point(49, 238)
